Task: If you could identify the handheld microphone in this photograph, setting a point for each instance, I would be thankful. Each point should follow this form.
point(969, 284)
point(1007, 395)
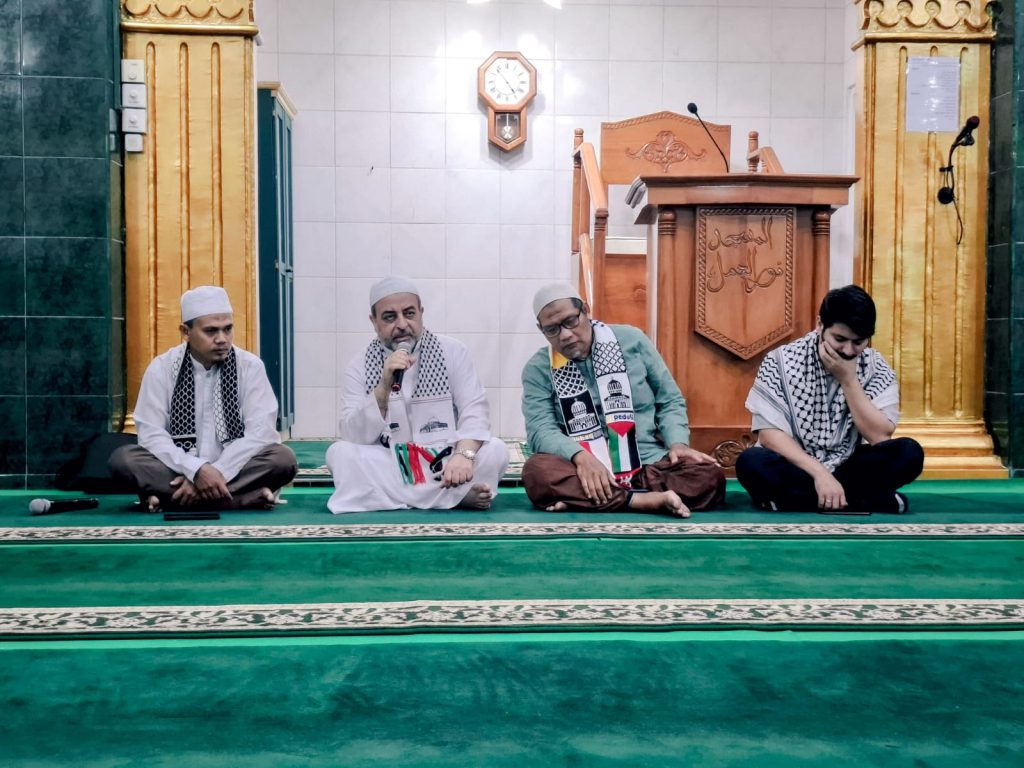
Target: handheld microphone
point(396, 379)
point(47, 507)
point(692, 109)
point(964, 138)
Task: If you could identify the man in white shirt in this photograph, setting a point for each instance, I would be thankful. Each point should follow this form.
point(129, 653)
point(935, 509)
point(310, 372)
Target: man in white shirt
point(206, 417)
point(414, 424)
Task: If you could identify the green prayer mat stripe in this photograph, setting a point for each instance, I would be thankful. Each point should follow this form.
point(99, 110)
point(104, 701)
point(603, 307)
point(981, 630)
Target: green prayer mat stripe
point(509, 615)
point(727, 699)
point(433, 531)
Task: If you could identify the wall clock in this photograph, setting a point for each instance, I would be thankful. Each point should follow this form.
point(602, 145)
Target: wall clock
point(506, 82)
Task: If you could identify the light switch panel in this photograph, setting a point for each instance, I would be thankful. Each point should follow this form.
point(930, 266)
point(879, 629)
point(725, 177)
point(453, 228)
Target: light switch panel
point(133, 95)
point(133, 142)
point(133, 121)
point(133, 71)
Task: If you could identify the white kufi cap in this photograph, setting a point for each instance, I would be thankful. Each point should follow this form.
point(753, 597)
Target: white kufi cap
point(204, 300)
point(553, 292)
point(390, 285)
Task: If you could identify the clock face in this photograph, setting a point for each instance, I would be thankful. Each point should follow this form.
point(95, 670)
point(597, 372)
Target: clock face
point(507, 81)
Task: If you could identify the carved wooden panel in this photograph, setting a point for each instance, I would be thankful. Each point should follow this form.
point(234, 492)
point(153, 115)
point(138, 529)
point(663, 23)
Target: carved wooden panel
point(662, 143)
point(744, 276)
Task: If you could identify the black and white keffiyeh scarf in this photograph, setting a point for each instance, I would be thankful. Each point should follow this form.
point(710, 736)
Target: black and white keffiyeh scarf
point(794, 393)
point(433, 372)
point(420, 434)
point(226, 405)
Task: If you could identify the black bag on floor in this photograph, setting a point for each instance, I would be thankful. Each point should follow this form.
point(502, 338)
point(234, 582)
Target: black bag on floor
point(88, 472)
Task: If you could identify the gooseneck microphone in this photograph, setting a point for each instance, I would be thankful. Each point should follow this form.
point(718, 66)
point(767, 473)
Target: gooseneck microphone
point(946, 194)
point(964, 138)
point(47, 507)
point(692, 109)
point(396, 379)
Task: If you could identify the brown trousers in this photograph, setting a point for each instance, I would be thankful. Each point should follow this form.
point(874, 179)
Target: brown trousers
point(274, 466)
point(549, 479)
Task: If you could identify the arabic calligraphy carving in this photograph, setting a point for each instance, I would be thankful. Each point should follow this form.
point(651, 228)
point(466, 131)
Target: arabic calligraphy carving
point(665, 151)
point(746, 271)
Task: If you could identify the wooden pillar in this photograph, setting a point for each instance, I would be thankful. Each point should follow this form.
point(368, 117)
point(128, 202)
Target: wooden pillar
point(930, 291)
point(662, 317)
point(190, 194)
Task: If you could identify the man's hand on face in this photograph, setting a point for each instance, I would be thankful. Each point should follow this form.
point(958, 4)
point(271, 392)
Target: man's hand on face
point(596, 479)
point(836, 364)
point(210, 484)
point(457, 471)
point(679, 452)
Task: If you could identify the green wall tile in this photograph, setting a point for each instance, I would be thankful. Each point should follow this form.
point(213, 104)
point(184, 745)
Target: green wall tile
point(12, 482)
point(68, 356)
point(116, 201)
point(10, 115)
point(1000, 206)
point(998, 281)
point(10, 37)
point(66, 197)
point(12, 276)
point(57, 427)
point(116, 275)
point(12, 196)
point(1017, 277)
point(67, 40)
point(1001, 149)
point(66, 117)
point(12, 353)
point(997, 353)
point(67, 276)
point(12, 435)
point(117, 363)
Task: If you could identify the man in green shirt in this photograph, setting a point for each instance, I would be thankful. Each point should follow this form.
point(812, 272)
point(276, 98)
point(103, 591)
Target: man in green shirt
point(605, 420)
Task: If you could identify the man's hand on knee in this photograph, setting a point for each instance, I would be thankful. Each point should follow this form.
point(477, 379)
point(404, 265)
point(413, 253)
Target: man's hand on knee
point(210, 483)
point(185, 493)
point(457, 471)
point(680, 452)
point(594, 476)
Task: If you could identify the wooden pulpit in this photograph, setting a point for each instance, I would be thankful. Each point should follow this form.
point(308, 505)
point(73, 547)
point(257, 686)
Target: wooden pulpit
point(737, 264)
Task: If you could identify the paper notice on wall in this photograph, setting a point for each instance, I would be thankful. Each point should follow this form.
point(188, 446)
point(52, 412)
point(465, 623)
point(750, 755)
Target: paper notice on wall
point(933, 94)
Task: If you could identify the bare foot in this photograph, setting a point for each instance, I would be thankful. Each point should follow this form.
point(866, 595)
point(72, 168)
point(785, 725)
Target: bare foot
point(662, 501)
point(153, 503)
point(558, 506)
point(478, 497)
point(261, 498)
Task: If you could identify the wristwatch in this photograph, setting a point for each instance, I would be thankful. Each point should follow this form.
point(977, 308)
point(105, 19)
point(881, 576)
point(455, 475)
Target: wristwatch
point(469, 453)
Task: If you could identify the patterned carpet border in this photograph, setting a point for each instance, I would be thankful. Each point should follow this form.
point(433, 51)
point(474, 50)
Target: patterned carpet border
point(512, 615)
point(157, 532)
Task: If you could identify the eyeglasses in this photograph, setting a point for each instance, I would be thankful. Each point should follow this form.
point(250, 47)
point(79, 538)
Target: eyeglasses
point(569, 323)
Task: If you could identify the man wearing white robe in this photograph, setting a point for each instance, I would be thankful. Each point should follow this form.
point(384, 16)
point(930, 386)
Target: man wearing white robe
point(206, 418)
point(423, 441)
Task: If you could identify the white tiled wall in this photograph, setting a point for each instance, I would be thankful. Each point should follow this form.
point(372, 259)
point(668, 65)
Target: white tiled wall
point(393, 172)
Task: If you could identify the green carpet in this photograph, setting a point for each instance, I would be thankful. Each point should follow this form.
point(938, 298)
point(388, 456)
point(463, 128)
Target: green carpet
point(946, 700)
point(515, 637)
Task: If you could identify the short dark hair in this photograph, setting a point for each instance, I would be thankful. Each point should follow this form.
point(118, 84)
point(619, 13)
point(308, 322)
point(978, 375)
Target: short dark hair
point(852, 306)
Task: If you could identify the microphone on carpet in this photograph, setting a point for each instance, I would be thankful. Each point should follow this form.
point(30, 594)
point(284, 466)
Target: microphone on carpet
point(396, 379)
point(47, 507)
point(692, 109)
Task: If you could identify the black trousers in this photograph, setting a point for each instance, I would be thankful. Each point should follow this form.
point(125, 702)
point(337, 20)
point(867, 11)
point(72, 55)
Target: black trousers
point(869, 477)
